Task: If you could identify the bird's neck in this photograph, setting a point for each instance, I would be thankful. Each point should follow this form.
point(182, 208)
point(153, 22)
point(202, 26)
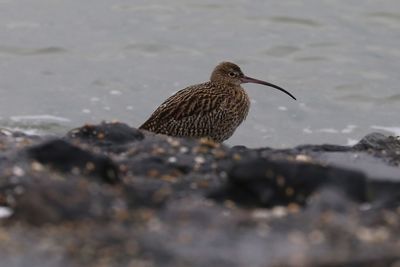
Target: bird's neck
point(227, 86)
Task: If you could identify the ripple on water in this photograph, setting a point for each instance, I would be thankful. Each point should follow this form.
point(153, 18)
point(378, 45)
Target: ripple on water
point(27, 51)
point(209, 6)
point(323, 44)
point(350, 87)
point(311, 58)
point(392, 98)
point(148, 7)
point(358, 98)
point(297, 21)
point(281, 50)
point(385, 16)
point(22, 25)
point(389, 20)
point(148, 47)
point(373, 75)
point(370, 99)
point(156, 48)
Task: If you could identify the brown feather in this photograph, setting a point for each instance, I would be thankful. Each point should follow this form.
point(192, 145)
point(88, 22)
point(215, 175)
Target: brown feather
point(203, 110)
point(213, 109)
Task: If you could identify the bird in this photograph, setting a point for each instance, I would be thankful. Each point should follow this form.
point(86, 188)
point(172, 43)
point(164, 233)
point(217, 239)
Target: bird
point(211, 110)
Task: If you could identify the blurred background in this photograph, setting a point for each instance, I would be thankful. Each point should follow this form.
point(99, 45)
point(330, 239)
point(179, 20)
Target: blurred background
point(65, 63)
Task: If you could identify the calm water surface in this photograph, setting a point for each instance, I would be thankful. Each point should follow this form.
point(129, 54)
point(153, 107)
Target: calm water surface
point(64, 63)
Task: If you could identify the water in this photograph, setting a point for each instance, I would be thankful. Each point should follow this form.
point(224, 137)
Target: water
point(65, 63)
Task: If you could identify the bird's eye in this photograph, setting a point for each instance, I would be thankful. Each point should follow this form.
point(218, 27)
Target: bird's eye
point(231, 74)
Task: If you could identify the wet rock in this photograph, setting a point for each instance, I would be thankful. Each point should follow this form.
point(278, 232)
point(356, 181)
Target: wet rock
point(112, 136)
point(377, 141)
point(52, 202)
point(381, 146)
point(111, 195)
point(262, 182)
point(65, 157)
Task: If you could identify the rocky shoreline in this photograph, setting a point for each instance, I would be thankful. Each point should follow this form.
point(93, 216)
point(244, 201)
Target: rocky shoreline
point(111, 195)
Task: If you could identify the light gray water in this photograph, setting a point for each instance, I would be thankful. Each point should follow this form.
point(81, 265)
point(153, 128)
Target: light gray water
point(64, 63)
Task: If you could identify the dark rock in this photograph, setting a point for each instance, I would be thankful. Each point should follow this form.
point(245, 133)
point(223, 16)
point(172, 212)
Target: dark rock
point(381, 146)
point(47, 202)
point(377, 141)
point(110, 195)
point(106, 135)
point(147, 192)
point(323, 148)
point(262, 182)
point(66, 157)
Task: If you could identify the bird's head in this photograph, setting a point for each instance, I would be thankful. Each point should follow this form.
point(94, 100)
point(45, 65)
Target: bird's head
point(230, 74)
point(227, 73)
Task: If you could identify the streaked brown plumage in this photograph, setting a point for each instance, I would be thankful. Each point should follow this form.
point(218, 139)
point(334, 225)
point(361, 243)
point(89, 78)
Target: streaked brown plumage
point(213, 109)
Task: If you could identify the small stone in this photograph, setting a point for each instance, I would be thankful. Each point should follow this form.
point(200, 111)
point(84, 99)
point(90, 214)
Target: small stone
point(18, 171)
point(219, 154)
point(172, 159)
point(316, 237)
point(101, 136)
point(303, 158)
point(5, 212)
point(173, 142)
point(294, 208)
point(183, 149)
point(90, 166)
point(261, 214)
point(19, 190)
point(36, 166)
point(280, 181)
point(199, 160)
point(279, 212)
point(169, 178)
point(289, 191)
point(297, 237)
point(237, 157)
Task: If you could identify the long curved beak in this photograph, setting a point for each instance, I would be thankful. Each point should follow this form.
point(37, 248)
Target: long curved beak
point(246, 79)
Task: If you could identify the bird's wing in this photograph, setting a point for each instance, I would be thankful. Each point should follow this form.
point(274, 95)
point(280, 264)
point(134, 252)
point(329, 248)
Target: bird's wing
point(198, 100)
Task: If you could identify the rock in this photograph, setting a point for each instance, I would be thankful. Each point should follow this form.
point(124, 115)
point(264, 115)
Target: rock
point(377, 141)
point(112, 136)
point(68, 158)
point(111, 195)
point(50, 201)
point(262, 182)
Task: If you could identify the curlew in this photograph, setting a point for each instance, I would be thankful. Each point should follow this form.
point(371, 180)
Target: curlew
point(213, 109)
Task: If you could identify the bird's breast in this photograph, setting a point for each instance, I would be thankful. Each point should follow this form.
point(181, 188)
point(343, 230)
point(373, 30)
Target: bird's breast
point(238, 103)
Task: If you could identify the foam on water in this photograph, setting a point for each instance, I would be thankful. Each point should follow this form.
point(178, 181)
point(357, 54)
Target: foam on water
point(27, 131)
point(392, 129)
point(351, 142)
point(45, 117)
point(347, 130)
point(42, 124)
